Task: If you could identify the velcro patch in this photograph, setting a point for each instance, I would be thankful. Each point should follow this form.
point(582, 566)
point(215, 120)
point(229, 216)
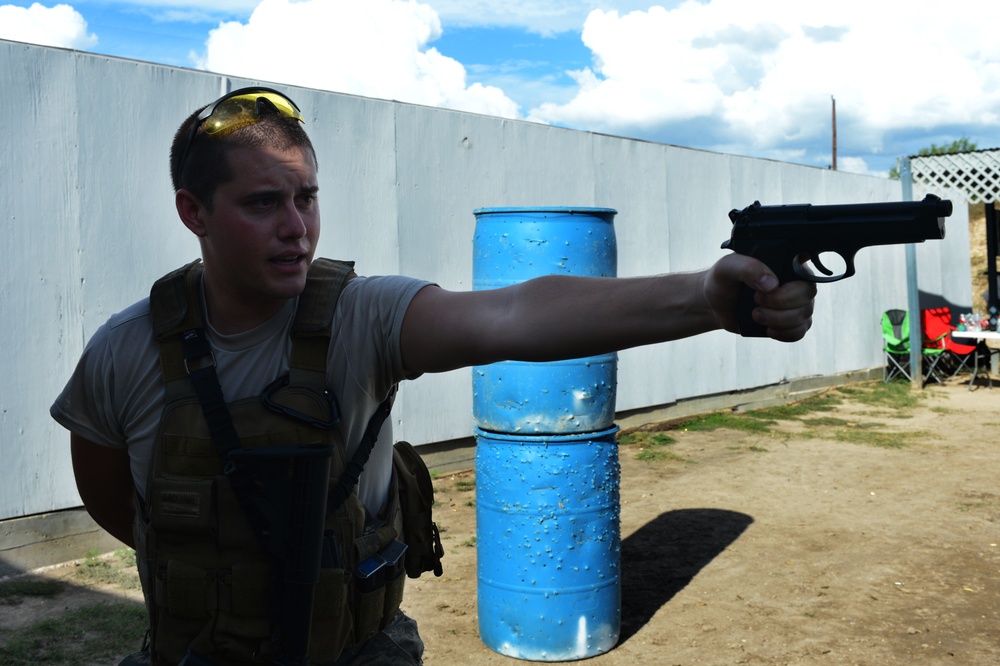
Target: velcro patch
point(175, 503)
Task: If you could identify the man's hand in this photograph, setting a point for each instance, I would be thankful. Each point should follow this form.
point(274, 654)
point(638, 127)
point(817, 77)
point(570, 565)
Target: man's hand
point(785, 310)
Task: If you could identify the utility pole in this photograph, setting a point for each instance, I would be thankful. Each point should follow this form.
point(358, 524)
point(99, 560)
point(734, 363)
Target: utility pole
point(834, 101)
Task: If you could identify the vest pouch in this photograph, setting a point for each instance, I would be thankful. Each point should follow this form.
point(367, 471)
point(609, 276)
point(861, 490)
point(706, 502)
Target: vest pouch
point(377, 607)
point(416, 499)
point(242, 619)
point(185, 590)
point(181, 608)
point(181, 506)
point(332, 619)
point(236, 601)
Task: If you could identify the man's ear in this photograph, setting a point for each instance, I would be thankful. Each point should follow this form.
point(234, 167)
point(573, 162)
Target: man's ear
point(190, 210)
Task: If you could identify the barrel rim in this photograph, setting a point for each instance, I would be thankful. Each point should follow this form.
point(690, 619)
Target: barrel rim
point(543, 438)
point(570, 210)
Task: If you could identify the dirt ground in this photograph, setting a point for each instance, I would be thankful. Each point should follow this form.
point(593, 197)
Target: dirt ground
point(776, 548)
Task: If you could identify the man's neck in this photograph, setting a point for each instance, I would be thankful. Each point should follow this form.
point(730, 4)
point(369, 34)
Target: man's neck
point(230, 316)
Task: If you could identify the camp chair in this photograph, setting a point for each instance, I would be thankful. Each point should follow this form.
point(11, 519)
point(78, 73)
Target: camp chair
point(934, 347)
point(896, 336)
point(937, 322)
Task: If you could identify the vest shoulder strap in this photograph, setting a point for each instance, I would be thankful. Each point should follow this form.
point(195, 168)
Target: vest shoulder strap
point(326, 280)
point(175, 307)
point(312, 328)
point(173, 301)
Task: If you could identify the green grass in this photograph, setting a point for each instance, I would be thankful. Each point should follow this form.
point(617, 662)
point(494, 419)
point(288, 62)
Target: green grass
point(878, 438)
point(827, 422)
point(826, 402)
point(979, 501)
point(894, 395)
point(118, 570)
point(645, 439)
point(657, 455)
point(88, 635)
point(817, 414)
point(745, 422)
point(651, 445)
point(865, 434)
point(465, 485)
point(13, 589)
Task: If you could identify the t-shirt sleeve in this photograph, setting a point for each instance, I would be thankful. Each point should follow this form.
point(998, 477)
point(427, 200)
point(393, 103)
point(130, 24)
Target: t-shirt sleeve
point(369, 318)
point(116, 385)
point(86, 405)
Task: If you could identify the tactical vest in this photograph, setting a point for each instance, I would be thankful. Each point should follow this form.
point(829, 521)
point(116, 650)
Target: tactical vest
point(211, 583)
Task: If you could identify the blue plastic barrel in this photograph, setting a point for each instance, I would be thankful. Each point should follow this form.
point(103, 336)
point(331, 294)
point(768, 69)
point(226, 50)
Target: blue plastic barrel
point(512, 245)
point(549, 544)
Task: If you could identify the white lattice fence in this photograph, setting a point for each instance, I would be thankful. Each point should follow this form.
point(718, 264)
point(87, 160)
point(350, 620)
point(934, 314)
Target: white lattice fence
point(976, 174)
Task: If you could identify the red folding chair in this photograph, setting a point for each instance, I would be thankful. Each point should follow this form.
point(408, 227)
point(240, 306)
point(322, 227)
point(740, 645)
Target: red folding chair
point(937, 325)
point(934, 348)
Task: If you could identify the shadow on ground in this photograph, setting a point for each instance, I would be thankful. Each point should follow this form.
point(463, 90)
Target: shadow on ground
point(665, 554)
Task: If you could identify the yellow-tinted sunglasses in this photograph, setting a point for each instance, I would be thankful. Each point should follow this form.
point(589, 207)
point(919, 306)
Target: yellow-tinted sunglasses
point(237, 109)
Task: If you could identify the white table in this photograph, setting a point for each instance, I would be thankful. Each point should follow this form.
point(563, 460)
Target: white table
point(980, 337)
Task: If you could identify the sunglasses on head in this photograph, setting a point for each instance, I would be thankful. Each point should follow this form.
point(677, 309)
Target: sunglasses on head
point(237, 109)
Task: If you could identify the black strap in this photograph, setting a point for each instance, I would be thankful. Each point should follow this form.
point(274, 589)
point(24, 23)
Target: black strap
point(351, 476)
point(200, 363)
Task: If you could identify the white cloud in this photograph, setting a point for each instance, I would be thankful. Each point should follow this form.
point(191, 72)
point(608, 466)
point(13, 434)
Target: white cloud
point(762, 74)
point(538, 16)
point(858, 165)
point(375, 48)
point(215, 7)
point(60, 26)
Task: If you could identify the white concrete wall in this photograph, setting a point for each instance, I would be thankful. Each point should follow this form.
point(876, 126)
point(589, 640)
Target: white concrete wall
point(89, 224)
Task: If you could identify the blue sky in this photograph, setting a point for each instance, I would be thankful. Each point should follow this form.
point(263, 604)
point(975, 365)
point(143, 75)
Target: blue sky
point(748, 78)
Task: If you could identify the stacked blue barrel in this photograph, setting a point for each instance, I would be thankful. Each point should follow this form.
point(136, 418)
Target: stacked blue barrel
point(547, 474)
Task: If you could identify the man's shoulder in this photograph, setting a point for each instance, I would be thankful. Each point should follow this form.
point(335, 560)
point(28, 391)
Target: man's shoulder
point(136, 314)
point(380, 291)
point(383, 283)
point(127, 328)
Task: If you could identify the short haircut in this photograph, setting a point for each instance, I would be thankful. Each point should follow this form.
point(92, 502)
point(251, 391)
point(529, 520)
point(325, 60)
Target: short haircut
point(207, 166)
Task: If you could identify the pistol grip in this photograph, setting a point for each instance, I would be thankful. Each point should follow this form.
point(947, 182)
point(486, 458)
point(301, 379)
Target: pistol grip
point(748, 327)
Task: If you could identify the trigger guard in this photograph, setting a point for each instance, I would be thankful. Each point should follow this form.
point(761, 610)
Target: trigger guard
point(819, 265)
point(803, 273)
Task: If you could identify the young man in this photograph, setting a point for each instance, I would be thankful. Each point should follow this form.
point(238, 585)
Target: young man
point(148, 442)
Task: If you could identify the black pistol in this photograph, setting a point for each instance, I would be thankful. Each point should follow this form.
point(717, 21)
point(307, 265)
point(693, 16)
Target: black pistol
point(787, 237)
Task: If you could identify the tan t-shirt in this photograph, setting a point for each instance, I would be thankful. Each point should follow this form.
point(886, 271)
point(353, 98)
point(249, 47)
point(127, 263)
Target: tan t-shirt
point(116, 397)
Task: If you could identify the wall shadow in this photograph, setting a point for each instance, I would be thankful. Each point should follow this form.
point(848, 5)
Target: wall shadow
point(929, 301)
point(665, 554)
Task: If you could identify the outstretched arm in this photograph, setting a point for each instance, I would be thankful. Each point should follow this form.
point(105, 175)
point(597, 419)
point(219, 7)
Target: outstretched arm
point(559, 317)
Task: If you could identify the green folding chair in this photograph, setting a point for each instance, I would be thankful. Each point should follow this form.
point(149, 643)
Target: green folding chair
point(896, 336)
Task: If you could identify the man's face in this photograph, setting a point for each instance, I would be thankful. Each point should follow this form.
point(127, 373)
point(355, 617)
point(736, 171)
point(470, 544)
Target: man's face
point(260, 236)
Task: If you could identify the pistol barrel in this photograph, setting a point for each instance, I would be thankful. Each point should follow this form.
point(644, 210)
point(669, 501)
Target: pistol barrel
point(878, 223)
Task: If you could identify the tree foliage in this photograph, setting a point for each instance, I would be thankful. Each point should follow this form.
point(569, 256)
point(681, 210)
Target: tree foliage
point(962, 145)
